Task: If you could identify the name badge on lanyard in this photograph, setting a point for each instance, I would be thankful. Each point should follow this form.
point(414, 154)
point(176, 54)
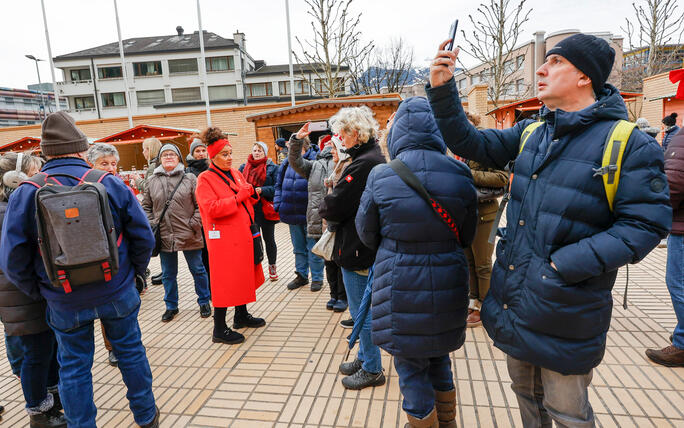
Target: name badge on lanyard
point(214, 234)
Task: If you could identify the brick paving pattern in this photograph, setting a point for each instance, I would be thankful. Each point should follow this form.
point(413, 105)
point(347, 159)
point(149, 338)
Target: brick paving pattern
point(285, 375)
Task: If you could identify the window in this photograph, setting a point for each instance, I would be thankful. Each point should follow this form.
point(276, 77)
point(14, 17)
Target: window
point(82, 103)
point(519, 61)
point(80, 74)
point(461, 84)
point(301, 87)
point(185, 94)
point(149, 98)
point(114, 99)
point(509, 66)
point(520, 86)
point(185, 65)
point(260, 89)
point(225, 92)
point(113, 72)
point(475, 79)
point(151, 68)
point(220, 63)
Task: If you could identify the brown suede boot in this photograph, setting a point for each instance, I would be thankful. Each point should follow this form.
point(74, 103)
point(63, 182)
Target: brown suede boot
point(429, 421)
point(445, 401)
point(669, 356)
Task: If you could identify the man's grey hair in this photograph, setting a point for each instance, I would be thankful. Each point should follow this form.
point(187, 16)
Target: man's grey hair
point(98, 150)
point(359, 119)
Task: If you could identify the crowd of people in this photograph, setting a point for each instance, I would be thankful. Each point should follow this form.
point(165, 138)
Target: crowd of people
point(400, 220)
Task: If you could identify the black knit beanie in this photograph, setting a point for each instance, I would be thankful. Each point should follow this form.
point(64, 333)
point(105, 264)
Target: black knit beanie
point(590, 54)
point(670, 120)
point(60, 136)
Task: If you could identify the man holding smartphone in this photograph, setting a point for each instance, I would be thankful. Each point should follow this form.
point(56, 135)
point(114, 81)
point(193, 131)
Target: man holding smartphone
point(550, 302)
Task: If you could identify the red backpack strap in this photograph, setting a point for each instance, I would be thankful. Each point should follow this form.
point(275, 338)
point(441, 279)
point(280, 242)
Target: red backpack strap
point(93, 176)
point(38, 180)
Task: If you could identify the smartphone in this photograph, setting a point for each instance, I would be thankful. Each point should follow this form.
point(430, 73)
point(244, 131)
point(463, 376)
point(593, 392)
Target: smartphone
point(452, 35)
point(318, 126)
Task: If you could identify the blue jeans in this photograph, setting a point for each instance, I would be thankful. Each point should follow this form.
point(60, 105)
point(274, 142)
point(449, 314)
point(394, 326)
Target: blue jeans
point(15, 353)
point(419, 378)
point(369, 353)
point(545, 395)
point(304, 258)
point(74, 332)
point(169, 265)
point(674, 278)
point(39, 369)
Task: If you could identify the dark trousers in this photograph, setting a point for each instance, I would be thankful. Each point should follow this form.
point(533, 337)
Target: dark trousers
point(479, 256)
point(268, 234)
point(39, 369)
point(333, 274)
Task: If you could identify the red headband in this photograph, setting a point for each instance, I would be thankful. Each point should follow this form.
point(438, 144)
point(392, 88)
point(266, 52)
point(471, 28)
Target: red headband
point(217, 146)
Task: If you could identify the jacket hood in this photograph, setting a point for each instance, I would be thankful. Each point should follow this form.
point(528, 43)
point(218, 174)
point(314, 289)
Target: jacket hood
point(414, 128)
point(179, 169)
point(609, 106)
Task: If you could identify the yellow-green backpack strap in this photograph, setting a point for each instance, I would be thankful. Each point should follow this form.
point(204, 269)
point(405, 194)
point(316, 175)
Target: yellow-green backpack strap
point(611, 164)
point(529, 129)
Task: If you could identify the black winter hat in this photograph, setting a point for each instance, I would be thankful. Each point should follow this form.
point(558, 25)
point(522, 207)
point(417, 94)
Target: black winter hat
point(590, 54)
point(670, 120)
point(60, 136)
point(281, 142)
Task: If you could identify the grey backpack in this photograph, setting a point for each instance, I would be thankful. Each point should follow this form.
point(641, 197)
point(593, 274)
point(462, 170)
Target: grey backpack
point(76, 234)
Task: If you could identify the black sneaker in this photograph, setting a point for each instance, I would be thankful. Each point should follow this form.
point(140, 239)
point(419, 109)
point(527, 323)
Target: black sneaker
point(227, 336)
point(340, 306)
point(169, 314)
point(299, 281)
point(52, 418)
point(362, 379)
point(113, 361)
point(154, 423)
point(248, 321)
point(351, 367)
point(347, 323)
point(316, 285)
point(331, 304)
point(205, 310)
point(156, 279)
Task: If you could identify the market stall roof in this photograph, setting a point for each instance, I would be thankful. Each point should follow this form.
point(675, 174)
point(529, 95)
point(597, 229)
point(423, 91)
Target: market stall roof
point(22, 144)
point(138, 133)
point(531, 104)
point(326, 103)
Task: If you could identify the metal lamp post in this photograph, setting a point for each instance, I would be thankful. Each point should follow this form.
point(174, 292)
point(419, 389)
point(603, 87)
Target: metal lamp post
point(41, 107)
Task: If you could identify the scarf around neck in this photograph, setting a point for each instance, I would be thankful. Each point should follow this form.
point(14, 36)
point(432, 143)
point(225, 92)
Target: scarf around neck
point(255, 171)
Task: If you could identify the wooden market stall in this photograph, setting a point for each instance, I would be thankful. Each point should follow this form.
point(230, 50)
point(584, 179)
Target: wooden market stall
point(22, 145)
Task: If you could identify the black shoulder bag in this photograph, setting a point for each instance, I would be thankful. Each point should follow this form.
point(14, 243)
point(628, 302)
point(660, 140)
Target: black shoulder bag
point(157, 228)
point(412, 181)
point(253, 227)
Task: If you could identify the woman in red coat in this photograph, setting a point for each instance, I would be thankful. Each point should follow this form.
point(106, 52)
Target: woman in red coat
point(226, 202)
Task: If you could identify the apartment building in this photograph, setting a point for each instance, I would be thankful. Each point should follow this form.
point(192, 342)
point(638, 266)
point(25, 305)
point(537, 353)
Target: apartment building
point(26, 107)
point(163, 75)
point(525, 59)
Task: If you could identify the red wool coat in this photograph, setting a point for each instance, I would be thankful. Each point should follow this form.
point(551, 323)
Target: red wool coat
point(234, 276)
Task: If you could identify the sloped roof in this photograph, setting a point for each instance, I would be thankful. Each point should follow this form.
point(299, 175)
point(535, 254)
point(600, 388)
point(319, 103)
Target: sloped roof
point(140, 132)
point(147, 45)
point(329, 102)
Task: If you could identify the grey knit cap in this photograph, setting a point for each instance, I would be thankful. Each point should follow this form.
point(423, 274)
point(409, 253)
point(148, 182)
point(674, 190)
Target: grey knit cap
point(264, 147)
point(195, 144)
point(168, 146)
point(60, 136)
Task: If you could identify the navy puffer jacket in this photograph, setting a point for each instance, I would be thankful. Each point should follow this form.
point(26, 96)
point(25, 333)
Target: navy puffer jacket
point(559, 318)
point(420, 287)
point(292, 192)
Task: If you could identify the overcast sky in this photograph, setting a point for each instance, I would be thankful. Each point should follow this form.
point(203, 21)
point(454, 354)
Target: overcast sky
point(79, 24)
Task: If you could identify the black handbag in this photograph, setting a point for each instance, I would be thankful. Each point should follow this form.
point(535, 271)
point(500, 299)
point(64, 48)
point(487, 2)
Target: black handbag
point(254, 228)
point(157, 228)
point(489, 193)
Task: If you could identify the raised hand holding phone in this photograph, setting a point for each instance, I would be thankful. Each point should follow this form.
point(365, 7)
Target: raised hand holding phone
point(444, 64)
point(303, 131)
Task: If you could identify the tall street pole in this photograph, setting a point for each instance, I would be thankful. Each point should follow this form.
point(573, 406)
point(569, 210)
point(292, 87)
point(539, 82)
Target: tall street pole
point(52, 66)
point(123, 68)
point(203, 65)
point(289, 51)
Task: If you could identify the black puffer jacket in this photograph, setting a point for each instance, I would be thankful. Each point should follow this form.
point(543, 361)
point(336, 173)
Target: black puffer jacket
point(20, 314)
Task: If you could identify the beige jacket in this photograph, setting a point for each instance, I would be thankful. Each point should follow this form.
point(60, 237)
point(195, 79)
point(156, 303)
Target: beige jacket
point(181, 227)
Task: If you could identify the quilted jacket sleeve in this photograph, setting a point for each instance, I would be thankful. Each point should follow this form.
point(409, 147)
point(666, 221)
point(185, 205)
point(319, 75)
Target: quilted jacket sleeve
point(642, 212)
point(368, 216)
point(277, 196)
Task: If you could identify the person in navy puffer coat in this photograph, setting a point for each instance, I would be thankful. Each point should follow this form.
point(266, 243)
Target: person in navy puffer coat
point(550, 301)
point(420, 287)
point(290, 201)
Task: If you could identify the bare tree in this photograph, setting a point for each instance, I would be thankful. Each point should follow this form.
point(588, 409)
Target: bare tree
point(362, 73)
point(336, 39)
point(496, 32)
point(396, 62)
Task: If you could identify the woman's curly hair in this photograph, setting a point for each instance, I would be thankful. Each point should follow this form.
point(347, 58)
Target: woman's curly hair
point(211, 135)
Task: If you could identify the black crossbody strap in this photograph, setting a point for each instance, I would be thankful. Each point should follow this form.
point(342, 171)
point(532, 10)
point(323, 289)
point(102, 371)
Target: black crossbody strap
point(228, 183)
point(168, 201)
point(412, 181)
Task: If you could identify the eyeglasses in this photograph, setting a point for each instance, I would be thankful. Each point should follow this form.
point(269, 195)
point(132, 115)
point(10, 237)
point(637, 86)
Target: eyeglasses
point(169, 155)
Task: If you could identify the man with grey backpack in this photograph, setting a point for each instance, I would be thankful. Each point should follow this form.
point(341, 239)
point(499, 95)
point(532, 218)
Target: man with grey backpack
point(78, 238)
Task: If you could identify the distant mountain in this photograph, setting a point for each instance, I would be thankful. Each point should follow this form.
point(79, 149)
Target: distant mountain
point(417, 75)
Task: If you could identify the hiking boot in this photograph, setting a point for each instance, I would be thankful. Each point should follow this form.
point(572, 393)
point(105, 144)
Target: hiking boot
point(340, 306)
point(429, 421)
point(351, 367)
point(331, 304)
point(52, 418)
point(299, 281)
point(316, 285)
point(155, 421)
point(669, 356)
point(113, 361)
point(363, 379)
point(445, 402)
point(473, 319)
point(347, 323)
point(205, 310)
point(227, 336)
point(169, 314)
point(272, 274)
point(248, 321)
point(156, 279)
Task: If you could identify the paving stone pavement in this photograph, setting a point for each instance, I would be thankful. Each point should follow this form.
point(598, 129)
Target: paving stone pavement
point(285, 375)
